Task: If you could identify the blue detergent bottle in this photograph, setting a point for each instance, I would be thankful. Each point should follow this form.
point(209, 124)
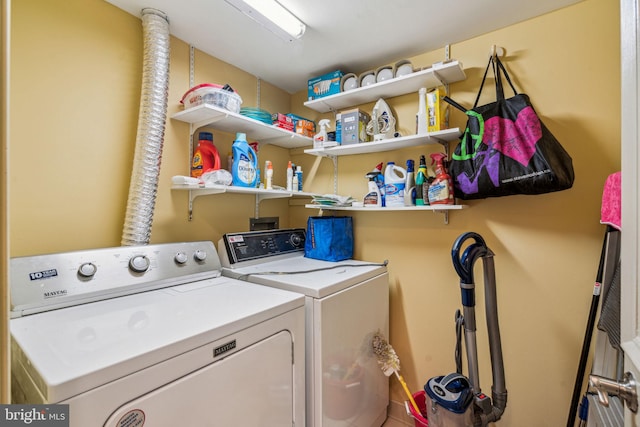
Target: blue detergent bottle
point(245, 163)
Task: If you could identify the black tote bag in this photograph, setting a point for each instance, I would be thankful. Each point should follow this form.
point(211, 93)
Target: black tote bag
point(506, 149)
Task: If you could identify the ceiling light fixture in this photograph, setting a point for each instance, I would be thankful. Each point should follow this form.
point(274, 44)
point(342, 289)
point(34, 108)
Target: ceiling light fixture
point(273, 16)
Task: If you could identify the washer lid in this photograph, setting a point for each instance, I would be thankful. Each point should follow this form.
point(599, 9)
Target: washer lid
point(312, 277)
point(75, 349)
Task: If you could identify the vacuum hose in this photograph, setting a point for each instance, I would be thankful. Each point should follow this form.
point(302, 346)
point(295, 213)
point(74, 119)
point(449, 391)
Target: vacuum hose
point(463, 265)
point(150, 135)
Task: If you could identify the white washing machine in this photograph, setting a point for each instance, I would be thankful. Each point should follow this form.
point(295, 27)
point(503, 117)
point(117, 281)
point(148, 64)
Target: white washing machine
point(154, 335)
point(345, 303)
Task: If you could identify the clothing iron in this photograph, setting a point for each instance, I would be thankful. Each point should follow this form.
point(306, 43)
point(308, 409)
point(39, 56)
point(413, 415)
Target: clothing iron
point(382, 124)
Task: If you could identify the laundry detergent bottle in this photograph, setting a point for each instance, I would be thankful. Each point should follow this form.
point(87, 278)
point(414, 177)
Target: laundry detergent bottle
point(206, 157)
point(394, 181)
point(245, 163)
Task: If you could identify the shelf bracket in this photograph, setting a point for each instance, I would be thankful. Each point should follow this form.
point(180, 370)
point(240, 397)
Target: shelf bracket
point(190, 205)
point(334, 159)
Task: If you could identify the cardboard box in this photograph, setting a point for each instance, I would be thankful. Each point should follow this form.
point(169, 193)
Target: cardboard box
point(354, 125)
point(325, 85)
point(303, 126)
point(436, 111)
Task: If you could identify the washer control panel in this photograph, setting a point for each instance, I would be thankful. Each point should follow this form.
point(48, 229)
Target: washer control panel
point(46, 282)
point(255, 245)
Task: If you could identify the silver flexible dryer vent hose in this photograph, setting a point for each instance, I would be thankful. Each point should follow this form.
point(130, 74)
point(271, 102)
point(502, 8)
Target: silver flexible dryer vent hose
point(151, 125)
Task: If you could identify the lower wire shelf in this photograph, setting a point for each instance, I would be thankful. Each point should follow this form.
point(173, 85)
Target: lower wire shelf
point(444, 209)
point(435, 208)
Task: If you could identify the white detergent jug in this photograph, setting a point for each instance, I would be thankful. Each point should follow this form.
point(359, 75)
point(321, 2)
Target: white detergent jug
point(394, 183)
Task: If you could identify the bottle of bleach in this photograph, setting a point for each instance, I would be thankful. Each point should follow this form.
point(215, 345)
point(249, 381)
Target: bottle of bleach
point(245, 163)
point(394, 182)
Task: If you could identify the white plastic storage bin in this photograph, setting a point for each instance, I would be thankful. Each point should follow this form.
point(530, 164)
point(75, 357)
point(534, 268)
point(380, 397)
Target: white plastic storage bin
point(213, 94)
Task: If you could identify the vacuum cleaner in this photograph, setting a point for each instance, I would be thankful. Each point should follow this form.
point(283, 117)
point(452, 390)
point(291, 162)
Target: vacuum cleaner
point(455, 400)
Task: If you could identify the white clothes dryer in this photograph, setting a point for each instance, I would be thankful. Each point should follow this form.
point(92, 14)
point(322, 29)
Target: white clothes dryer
point(345, 304)
point(154, 335)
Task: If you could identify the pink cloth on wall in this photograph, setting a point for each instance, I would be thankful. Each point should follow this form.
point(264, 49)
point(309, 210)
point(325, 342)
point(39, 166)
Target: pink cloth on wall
point(611, 210)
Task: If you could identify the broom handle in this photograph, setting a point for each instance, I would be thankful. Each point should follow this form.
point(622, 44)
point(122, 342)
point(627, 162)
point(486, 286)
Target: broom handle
point(406, 390)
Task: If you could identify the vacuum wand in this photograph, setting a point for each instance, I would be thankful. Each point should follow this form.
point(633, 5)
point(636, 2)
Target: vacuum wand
point(464, 264)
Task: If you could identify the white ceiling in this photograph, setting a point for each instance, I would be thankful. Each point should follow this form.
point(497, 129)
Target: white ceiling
point(350, 35)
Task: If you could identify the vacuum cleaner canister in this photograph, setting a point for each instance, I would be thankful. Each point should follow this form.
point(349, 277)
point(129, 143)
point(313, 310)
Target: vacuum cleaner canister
point(448, 401)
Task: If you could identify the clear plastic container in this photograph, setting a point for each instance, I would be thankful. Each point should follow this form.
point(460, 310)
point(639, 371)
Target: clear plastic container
point(213, 94)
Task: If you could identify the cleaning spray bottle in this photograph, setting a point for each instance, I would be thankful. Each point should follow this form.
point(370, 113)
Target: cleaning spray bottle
point(320, 139)
point(394, 181)
point(379, 180)
point(410, 186)
point(245, 163)
point(441, 189)
point(373, 198)
point(205, 157)
point(421, 178)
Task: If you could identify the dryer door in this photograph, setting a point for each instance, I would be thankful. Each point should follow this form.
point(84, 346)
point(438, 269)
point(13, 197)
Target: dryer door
point(253, 386)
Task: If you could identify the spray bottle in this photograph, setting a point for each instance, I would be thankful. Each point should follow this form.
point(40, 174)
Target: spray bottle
point(410, 186)
point(321, 140)
point(441, 189)
point(421, 178)
point(373, 198)
point(379, 180)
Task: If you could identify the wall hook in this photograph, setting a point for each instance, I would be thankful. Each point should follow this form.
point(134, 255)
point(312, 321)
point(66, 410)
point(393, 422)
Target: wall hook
point(496, 51)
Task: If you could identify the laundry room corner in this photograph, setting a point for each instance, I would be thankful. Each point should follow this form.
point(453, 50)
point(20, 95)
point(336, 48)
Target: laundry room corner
point(76, 69)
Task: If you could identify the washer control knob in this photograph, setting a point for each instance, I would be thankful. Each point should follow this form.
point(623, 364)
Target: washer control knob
point(180, 258)
point(296, 240)
point(139, 263)
point(87, 269)
point(200, 255)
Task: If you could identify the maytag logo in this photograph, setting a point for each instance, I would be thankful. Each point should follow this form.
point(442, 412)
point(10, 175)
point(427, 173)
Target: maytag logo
point(224, 348)
point(53, 294)
point(44, 274)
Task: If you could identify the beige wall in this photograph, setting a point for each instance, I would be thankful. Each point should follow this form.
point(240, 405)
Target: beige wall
point(75, 86)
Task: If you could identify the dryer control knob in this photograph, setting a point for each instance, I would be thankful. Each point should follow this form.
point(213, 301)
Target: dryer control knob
point(139, 263)
point(87, 269)
point(200, 255)
point(181, 257)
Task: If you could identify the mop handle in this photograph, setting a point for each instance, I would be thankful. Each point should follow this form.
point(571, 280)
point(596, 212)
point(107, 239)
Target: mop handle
point(406, 390)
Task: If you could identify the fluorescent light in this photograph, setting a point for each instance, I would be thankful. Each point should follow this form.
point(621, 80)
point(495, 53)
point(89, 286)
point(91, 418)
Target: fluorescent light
point(273, 16)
